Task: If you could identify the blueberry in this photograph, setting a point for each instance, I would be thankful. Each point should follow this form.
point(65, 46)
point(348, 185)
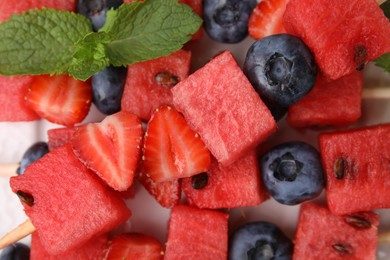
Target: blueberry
point(96, 10)
point(292, 172)
point(107, 89)
point(17, 251)
point(33, 153)
point(281, 68)
point(259, 241)
point(227, 20)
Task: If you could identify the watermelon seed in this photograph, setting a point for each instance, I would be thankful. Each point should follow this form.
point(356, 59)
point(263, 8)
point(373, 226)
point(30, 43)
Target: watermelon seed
point(166, 79)
point(199, 181)
point(343, 249)
point(360, 57)
point(358, 222)
point(25, 197)
point(339, 168)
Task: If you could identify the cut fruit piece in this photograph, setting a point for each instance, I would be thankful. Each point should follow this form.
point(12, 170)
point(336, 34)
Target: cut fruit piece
point(148, 84)
point(111, 148)
point(197, 234)
point(356, 163)
point(60, 99)
point(166, 193)
point(59, 194)
point(232, 186)
point(335, 102)
point(7, 8)
point(59, 136)
point(343, 36)
point(266, 18)
point(93, 249)
point(135, 246)
point(172, 150)
point(322, 235)
point(12, 98)
point(220, 104)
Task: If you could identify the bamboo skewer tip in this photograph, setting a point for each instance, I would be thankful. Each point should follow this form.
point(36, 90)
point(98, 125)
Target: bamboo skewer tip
point(18, 233)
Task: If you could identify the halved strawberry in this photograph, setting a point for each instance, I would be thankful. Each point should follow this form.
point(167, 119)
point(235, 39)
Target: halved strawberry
point(111, 148)
point(172, 150)
point(60, 99)
point(266, 18)
point(166, 193)
point(135, 246)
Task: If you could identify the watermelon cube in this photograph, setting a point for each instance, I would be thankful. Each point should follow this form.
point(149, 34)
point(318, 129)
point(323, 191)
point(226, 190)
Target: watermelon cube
point(195, 233)
point(7, 8)
point(67, 203)
point(94, 249)
point(323, 235)
point(12, 92)
point(220, 104)
point(232, 186)
point(356, 163)
point(343, 35)
point(59, 136)
point(330, 102)
point(148, 84)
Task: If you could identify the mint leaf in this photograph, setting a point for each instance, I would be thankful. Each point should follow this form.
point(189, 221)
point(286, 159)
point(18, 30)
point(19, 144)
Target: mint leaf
point(40, 41)
point(384, 62)
point(148, 30)
point(90, 56)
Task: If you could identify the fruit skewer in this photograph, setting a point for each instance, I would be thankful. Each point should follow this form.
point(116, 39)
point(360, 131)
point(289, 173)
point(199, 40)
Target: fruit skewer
point(27, 228)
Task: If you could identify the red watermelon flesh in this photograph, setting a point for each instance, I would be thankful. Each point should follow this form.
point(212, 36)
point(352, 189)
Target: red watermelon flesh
point(322, 235)
point(357, 169)
point(343, 35)
point(330, 102)
point(220, 104)
point(59, 136)
point(232, 186)
point(7, 8)
point(195, 233)
point(94, 249)
point(70, 203)
point(148, 84)
point(12, 92)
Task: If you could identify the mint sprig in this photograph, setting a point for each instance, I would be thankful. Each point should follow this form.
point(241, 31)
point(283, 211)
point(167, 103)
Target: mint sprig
point(49, 41)
point(40, 41)
point(149, 30)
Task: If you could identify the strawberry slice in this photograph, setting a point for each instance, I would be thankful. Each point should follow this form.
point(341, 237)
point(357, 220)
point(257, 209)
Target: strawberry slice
point(172, 150)
point(111, 148)
point(266, 18)
point(60, 99)
point(166, 193)
point(135, 246)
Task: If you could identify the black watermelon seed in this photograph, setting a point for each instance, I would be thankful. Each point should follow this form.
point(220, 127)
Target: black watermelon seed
point(358, 222)
point(199, 181)
point(339, 168)
point(25, 197)
point(166, 79)
point(343, 249)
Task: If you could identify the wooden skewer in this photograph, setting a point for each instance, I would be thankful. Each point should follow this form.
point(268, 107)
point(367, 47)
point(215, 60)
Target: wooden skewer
point(378, 92)
point(21, 231)
point(8, 169)
point(384, 238)
point(380, 1)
